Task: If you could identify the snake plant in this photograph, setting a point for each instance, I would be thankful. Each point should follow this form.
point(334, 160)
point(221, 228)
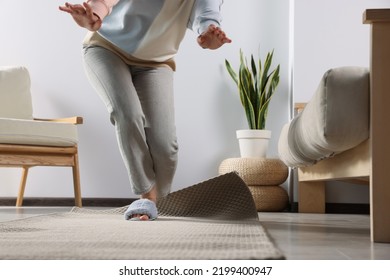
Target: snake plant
point(256, 85)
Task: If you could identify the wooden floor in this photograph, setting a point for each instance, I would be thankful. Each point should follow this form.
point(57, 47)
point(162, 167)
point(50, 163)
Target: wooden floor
point(324, 236)
point(298, 236)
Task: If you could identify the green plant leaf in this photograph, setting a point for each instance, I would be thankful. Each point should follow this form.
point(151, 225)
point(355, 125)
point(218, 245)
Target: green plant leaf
point(245, 88)
point(231, 72)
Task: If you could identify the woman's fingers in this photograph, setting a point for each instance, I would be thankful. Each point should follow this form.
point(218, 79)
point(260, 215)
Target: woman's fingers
point(69, 8)
point(88, 10)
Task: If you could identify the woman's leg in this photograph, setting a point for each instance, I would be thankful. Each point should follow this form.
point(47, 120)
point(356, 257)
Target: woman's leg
point(155, 91)
point(135, 120)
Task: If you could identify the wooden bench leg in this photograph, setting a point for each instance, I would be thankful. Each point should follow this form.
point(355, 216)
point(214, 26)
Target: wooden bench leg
point(380, 132)
point(311, 197)
point(22, 187)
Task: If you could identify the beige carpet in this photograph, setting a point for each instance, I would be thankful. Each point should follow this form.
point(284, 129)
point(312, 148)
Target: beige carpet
point(215, 219)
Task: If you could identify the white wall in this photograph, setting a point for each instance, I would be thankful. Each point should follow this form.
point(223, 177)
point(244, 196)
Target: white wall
point(330, 34)
point(37, 35)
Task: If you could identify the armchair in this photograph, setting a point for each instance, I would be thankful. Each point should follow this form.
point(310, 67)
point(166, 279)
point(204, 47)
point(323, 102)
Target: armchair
point(28, 142)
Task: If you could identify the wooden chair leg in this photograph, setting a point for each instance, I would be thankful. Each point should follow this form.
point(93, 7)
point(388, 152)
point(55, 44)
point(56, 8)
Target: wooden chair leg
point(76, 182)
point(22, 186)
point(311, 197)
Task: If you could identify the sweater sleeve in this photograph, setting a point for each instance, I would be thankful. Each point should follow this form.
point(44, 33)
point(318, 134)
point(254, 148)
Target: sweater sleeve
point(204, 13)
point(102, 8)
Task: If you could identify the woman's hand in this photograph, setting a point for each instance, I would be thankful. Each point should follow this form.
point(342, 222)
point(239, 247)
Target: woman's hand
point(213, 38)
point(83, 15)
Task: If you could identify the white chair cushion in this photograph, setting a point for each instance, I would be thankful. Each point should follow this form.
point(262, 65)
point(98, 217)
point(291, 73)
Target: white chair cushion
point(15, 96)
point(30, 132)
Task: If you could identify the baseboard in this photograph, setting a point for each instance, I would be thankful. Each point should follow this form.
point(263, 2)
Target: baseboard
point(341, 208)
point(64, 202)
point(331, 208)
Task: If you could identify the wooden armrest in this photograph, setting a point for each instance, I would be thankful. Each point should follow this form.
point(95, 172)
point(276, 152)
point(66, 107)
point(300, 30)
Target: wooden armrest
point(298, 107)
point(72, 120)
point(376, 15)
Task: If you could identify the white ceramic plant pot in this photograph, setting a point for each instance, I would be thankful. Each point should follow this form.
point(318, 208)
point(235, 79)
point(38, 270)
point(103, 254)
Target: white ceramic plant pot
point(253, 142)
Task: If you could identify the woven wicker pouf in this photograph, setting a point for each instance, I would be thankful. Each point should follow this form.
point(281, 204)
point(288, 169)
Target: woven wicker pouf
point(263, 177)
point(256, 171)
point(269, 198)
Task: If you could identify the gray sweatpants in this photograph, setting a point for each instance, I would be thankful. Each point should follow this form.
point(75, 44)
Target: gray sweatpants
point(141, 107)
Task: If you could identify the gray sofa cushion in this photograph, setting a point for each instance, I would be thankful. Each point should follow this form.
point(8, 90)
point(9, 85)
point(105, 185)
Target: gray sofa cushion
point(334, 120)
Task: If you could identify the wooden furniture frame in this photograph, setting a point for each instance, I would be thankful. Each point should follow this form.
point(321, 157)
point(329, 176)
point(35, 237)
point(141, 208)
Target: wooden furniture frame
point(27, 156)
point(368, 162)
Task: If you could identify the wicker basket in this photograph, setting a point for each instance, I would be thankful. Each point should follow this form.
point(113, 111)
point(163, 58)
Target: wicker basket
point(256, 171)
point(269, 198)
